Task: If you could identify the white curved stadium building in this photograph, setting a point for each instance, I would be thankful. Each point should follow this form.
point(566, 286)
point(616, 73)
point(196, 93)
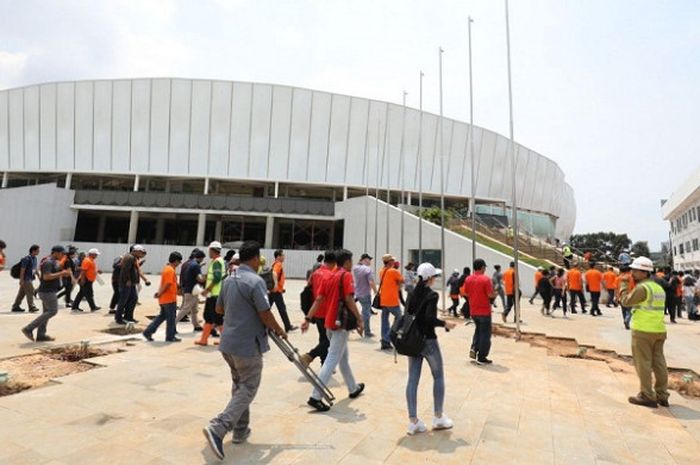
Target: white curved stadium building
point(182, 161)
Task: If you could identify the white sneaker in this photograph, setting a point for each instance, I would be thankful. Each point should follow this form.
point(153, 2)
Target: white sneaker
point(418, 427)
point(442, 423)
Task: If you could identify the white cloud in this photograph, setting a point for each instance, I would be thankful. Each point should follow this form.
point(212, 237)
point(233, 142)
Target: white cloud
point(12, 66)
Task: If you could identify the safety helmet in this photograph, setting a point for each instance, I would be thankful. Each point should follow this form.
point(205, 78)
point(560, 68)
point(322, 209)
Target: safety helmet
point(215, 245)
point(643, 264)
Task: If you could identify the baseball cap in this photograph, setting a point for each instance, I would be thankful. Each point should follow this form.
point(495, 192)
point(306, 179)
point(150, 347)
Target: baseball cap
point(387, 257)
point(427, 271)
point(236, 256)
point(139, 248)
point(58, 248)
point(93, 252)
point(365, 255)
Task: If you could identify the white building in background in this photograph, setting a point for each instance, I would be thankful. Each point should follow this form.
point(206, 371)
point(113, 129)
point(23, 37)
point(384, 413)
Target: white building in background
point(182, 162)
point(682, 211)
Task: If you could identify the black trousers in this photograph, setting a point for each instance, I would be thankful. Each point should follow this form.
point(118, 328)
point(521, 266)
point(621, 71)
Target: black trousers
point(595, 298)
point(277, 299)
point(581, 298)
point(67, 289)
point(481, 342)
point(115, 295)
point(466, 309)
point(86, 293)
point(560, 299)
point(321, 349)
point(510, 303)
point(547, 301)
point(611, 298)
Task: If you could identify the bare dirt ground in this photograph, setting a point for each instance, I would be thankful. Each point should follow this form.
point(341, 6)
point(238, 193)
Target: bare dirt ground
point(682, 380)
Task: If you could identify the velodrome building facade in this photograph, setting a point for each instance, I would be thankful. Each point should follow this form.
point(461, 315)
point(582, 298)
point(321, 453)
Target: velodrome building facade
point(182, 162)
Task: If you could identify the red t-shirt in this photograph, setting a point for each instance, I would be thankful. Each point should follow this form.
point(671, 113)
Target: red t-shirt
point(479, 288)
point(331, 294)
point(317, 281)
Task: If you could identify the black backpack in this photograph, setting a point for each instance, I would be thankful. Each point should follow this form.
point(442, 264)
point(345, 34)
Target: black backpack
point(406, 336)
point(15, 270)
point(266, 275)
point(307, 299)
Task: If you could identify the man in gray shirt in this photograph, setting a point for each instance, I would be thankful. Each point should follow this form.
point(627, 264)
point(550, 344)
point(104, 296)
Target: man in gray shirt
point(497, 280)
point(364, 287)
point(246, 309)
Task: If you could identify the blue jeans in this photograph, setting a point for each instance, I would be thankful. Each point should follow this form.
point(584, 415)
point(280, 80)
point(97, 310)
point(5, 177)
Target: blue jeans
point(431, 353)
point(481, 342)
point(127, 303)
point(338, 356)
point(366, 304)
point(626, 316)
point(167, 314)
point(386, 328)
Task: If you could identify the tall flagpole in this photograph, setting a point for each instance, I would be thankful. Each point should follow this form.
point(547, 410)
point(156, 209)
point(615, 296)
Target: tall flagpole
point(516, 277)
point(387, 158)
point(376, 200)
point(366, 170)
point(442, 190)
point(420, 172)
point(471, 143)
point(402, 169)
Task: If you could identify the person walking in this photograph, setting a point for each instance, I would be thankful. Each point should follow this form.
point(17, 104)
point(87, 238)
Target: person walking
point(317, 312)
point(338, 291)
point(610, 281)
point(625, 278)
point(546, 291)
point(68, 263)
point(167, 299)
point(409, 277)
point(390, 281)
point(559, 284)
point(538, 276)
point(27, 272)
point(497, 281)
point(243, 301)
point(116, 271)
point(647, 301)
point(689, 296)
point(211, 292)
point(568, 255)
point(51, 275)
point(465, 310)
point(423, 304)
point(190, 276)
point(574, 282)
point(86, 280)
point(453, 286)
point(129, 275)
point(277, 293)
point(479, 288)
point(364, 288)
point(509, 284)
point(594, 279)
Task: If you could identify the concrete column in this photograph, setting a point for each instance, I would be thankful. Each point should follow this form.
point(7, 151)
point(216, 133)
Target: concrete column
point(69, 180)
point(345, 193)
point(217, 229)
point(101, 228)
point(201, 225)
point(160, 230)
point(4, 179)
point(133, 226)
point(269, 230)
point(167, 185)
point(408, 198)
point(137, 179)
point(206, 186)
point(277, 190)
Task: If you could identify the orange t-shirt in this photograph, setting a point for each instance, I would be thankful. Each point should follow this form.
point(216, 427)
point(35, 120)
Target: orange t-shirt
point(622, 278)
point(90, 269)
point(390, 280)
point(508, 276)
point(278, 270)
point(538, 276)
point(573, 279)
point(593, 280)
point(168, 276)
point(610, 280)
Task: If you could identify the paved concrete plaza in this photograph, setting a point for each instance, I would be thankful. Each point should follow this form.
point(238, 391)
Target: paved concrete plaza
point(147, 405)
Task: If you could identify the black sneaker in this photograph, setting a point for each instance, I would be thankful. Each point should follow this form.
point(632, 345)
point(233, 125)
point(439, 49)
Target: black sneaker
point(197, 329)
point(17, 309)
point(45, 338)
point(95, 309)
point(174, 339)
point(291, 328)
point(185, 319)
point(318, 405)
point(131, 321)
point(472, 354)
point(28, 334)
point(240, 438)
point(484, 361)
point(663, 403)
point(643, 401)
point(112, 311)
point(215, 442)
point(358, 391)
point(148, 337)
point(214, 333)
point(33, 310)
point(120, 322)
point(386, 346)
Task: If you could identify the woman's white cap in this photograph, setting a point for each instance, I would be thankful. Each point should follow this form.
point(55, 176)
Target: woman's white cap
point(427, 271)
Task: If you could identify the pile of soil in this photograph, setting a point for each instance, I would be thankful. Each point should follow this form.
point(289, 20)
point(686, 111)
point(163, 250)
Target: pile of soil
point(683, 381)
point(124, 330)
point(35, 370)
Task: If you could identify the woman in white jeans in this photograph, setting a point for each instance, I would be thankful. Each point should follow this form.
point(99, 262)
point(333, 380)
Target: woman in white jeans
point(423, 303)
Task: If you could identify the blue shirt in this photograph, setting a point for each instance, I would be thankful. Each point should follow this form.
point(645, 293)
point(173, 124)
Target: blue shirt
point(29, 263)
point(243, 295)
point(189, 273)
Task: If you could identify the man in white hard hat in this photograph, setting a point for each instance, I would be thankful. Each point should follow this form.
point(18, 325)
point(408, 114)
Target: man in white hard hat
point(648, 333)
point(212, 289)
point(88, 275)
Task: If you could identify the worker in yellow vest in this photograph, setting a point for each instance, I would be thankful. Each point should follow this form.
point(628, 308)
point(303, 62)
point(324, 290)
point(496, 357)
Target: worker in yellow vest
point(648, 333)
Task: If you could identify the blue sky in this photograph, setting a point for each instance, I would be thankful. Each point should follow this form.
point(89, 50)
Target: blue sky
point(608, 89)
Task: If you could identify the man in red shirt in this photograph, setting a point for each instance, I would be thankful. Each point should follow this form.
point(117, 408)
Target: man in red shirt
point(336, 290)
point(316, 280)
point(480, 293)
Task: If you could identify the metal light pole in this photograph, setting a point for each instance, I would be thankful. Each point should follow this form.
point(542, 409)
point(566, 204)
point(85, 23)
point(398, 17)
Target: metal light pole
point(366, 173)
point(516, 278)
point(376, 201)
point(420, 172)
point(471, 143)
point(442, 189)
point(402, 168)
point(387, 155)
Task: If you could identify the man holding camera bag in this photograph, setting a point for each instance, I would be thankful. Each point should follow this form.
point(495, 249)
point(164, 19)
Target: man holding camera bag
point(342, 317)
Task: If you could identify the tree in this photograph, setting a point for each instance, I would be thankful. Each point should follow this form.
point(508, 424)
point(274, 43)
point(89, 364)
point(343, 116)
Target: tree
point(433, 214)
point(601, 244)
point(641, 249)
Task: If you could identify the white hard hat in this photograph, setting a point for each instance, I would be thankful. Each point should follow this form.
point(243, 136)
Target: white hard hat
point(215, 245)
point(93, 252)
point(643, 264)
point(427, 271)
point(236, 256)
point(139, 248)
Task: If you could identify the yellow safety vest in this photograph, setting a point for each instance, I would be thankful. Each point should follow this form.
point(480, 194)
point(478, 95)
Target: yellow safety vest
point(648, 316)
point(216, 289)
